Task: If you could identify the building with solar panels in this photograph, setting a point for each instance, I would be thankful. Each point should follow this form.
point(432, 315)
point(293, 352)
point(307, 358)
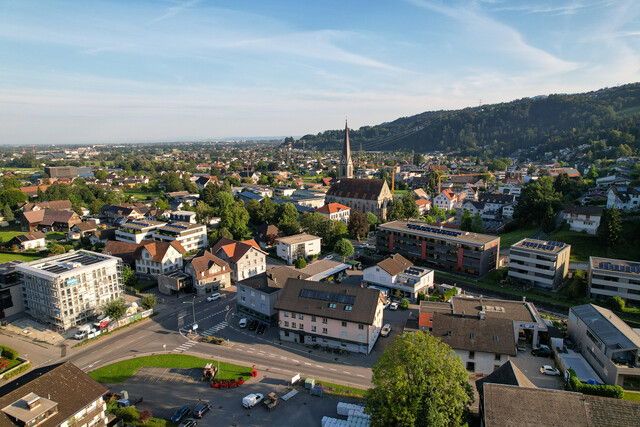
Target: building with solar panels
point(539, 262)
point(191, 236)
point(69, 289)
point(614, 277)
point(440, 248)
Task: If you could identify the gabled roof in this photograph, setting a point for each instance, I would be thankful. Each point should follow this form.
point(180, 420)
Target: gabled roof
point(584, 210)
point(64, 384)
point(203, 263)
point(331, 208)
point(395, 264)
point(87, 226)
point(30, 236)
point(448, 194)
point(127, 251)
point(273, 280)
point(353, 188)
point(158, 250)
point(508, 373)
point(496, 198)
point(48, 216)
point(234, 250)
point(422, 202)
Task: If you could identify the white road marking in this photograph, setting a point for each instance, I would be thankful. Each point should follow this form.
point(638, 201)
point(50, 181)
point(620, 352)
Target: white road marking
point(318, 366)
point(307, 363)
point(361, 376)
point(333, 369)
point(295, 361)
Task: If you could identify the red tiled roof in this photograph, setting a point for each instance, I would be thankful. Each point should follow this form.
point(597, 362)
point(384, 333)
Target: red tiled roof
point(332, 208)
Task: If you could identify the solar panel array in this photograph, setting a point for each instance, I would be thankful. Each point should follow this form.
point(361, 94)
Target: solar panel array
point(433, 230)
point(619, 267)
point(139, 224)
point(327, 296)
point(179, 227)
point(546, 246)
point(414, 271)
point(61, 267)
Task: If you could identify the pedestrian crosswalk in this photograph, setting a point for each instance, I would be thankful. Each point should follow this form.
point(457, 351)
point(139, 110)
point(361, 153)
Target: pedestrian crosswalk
point(186, 346)
point(212, 330)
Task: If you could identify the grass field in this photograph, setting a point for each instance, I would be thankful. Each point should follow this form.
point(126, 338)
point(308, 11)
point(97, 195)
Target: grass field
point(143, 195)
point(508, 239)
point(12, 364)
point(4, 257)
point(121, 371)
point(631, 396)
point(55, 235)
point(342, 390)
point(585, 245)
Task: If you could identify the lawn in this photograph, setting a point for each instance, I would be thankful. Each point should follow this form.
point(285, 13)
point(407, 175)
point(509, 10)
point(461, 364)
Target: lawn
point(8, 233)
point(585, 245)
point(121, 371)
point(5, 257)
point(631, 396)
point(12, 364)
point(508, 239)
point(342, 390)
point(55, 235)
point(143, 195)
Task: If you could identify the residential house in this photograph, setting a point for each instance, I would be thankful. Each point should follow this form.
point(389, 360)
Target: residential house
point(419, 193)
point(32, 190)
point(400, 276)
point(583, 218)
point(49, 220)
point(326, 314)
point(59, 394)
point(101, 237)
point(245, 258)
point(446, 200)
point(424, 206)
point(57, 205)
point(335, 212)
point(539, 262)
point(182, 216)
point(117, 214)
point(623, 198)
point(209, 273)
point(83, 229)
point(267, 234)
point(128, 252)
point(302, 245)
point(29, 241)
point(257, 295)
point(155, 258)
point(203, 181)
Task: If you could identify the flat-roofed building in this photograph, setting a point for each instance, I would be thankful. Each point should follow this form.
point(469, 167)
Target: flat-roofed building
point(539, 262)
point(182, 216)
point(135, 231)
point(440, 248)
point(10, 289)
point(614, 277)
point(397, 273)
point(56, 172)
point(302, 245)
point(191, 236)
point(67, 290)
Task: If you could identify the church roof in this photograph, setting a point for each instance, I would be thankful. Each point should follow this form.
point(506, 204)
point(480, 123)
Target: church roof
point(353, 188)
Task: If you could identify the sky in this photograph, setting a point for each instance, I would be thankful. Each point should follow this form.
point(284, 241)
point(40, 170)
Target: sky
point(142, 71)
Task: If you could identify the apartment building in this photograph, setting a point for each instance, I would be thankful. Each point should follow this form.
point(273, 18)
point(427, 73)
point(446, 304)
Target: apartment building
point(583, 218)
point(155, 258)
point(335, 212)
point(69, 289)
point(398, 274)
point(10, 289)
point(440, 248)
point(614, 277)
point(302, 245)
point(56, 395)
point(609, 345)
point(192, 237)
point(326, 314)
point(245, 258)
point(539, 262)
point(135, 231)
point(182, 216)
point(446, 200)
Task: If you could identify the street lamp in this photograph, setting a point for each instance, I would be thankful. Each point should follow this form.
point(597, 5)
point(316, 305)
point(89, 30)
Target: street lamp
point(193, 305)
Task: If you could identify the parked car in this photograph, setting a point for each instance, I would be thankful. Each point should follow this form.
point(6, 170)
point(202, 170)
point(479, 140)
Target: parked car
point(363, 245)
point(189, 422)
point(243, 322)
point(201, 409)
point(328, 257)
point(261, 329)
point(386, 330)
point(393, 306)
point(549, 370)
point(253, 325)
point(542, 352)
point(251, 400)
point(214, 297)
point(179, 414)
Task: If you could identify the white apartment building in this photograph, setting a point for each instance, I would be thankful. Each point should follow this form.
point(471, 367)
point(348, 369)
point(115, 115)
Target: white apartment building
point(67, 290)
point(160, 258)
point(191, 236)
point(301, 245)
point(245, 259)
point(335, 212)
point(623, 197)
point(446, 200)
point(397, 273)
point(614, 277)
point(583, 218)
point(182, 216)
point(541, 263)
point(137, 231)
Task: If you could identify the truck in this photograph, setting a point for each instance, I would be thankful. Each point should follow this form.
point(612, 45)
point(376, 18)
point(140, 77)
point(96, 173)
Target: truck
point(101, 323)
point(83, 332)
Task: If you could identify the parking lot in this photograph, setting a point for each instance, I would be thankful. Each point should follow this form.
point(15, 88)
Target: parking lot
point(165, 389)
point(530, 366)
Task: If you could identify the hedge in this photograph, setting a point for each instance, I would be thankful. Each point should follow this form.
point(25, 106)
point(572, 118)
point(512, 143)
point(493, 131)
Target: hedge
point(18, 370)
point(9, 353)
point(614, 391)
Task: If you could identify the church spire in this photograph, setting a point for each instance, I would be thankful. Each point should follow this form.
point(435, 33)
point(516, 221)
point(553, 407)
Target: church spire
point(346, 165)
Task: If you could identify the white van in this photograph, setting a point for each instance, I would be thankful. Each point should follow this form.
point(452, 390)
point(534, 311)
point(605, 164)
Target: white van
point(243, 322)
point(252, 400)
point(83, 332)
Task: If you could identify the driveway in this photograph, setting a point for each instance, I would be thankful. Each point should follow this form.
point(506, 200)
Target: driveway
point(530, 366)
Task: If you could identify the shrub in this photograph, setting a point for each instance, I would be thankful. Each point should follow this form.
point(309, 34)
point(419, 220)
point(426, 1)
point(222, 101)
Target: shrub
point(616, 303)
point(613, 391)
point(128, 415)
point(145, 415)
point(18, 370)
point(301, 263)
point(10, 353)
point(149, 301)
point(404, 304)
point(421, 296)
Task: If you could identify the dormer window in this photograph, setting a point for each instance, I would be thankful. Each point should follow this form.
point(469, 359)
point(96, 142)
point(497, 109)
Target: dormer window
point(332, 305)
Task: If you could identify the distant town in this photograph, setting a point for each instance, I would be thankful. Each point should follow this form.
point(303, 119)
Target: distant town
point(206, 283)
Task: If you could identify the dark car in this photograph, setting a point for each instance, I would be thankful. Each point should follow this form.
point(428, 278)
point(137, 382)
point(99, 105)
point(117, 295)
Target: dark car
point(179, 414)
point(542, 352)
point(201, 409)
point(253, 325)
point(261, 329)
point(189, 422)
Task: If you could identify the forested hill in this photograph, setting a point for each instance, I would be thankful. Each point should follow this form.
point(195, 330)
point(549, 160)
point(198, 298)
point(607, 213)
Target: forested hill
point(547, 122)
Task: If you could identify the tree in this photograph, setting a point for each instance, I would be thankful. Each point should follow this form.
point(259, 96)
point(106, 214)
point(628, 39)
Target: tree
point(129, 276)
point(466, 221)
point(12, 196)
point(233, 215)
point(149, 301)
point(8, 213)
point(288, 219)
point(616, 303)
point(497, 165)
point(395, 210)
point(203, 212)
point(344, 248)
point(115, 309)
point(358, 224)
point(404, 304)
point(409, 206)
point(301, 262)
point(57, 249)
point(538, 203)
point(100, 174)
point(418, 159)
point(418, 381)
point(610, 227)
point(373, 220)
point(476, 224)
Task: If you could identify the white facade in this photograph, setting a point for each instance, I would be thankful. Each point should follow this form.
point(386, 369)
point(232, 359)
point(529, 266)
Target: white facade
point(301, 245)
point(191, 236)
point(33, 244)
point(446, 201)
point(623, 198)
point(137, 231)
point(171, 261)
point(68, 289)
point(480, 362)
point(411, 281)
point(614, 277)
point(582, 222)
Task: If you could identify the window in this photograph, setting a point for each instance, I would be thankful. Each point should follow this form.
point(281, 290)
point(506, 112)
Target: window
point(286, 333)
point(313, 339)
point(332, 305)
point(313, 329)
point(313, 318)
point(301, 325)
point(293, 315)
point(471, 367)
point(300, 316)
point(286, 324)
point(472, 354)
point(245, 300)
point(497, 356)
point(361, 326)
point(324, 320)
point(324, 330)
point(286, 314)
point(344, 324)
point(293, 324)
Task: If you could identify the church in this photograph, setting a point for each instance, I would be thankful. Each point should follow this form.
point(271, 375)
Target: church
point(365, 195)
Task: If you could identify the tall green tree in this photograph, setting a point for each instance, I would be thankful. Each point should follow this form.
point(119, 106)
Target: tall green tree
point(288, 218)
point(344, 248)
point(12, 196)
point(8, 213)
point(466, 221)
point(115, 309)
point(373, 220)
point(358, 224)
point(476, 224)
point(418, 381)
point(610, 227)
point(538, 203)
point(409, 206)
point(395, 210)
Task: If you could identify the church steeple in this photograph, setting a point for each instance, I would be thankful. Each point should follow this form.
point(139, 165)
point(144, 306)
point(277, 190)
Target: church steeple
point(346, 165)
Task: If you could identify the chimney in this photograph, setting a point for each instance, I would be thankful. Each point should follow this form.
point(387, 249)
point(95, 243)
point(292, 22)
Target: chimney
point(482, 315)
point(524, 299)
point(33, 402)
